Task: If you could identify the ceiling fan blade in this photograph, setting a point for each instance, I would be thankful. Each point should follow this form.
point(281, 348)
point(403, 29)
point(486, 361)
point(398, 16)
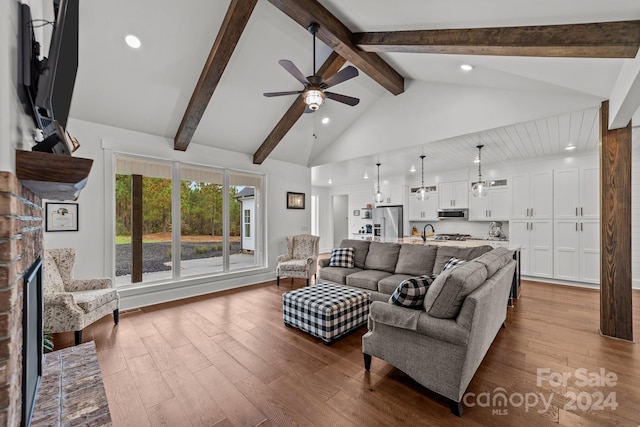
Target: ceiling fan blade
point(593, 40)
point(291, 92)
point(349, 100)
point(343, 75)
point(294, 71)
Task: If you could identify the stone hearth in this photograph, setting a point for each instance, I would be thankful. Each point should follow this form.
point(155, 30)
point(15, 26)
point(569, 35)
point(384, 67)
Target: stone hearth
point(71, 391)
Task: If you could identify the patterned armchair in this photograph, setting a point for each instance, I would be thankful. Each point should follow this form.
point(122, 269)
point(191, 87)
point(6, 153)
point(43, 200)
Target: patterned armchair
point(301, 259)
point(72, 304)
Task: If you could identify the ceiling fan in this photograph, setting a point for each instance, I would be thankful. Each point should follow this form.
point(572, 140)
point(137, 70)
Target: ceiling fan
point(315, 87)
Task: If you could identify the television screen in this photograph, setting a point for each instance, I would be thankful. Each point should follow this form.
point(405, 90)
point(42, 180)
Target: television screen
point(55, 86)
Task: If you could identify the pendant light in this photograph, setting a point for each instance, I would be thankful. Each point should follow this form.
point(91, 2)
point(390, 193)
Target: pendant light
point(479, 188)
point(422, 194)
point(378, 197)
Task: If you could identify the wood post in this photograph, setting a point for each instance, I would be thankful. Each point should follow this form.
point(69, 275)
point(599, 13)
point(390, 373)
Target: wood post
point(136, 228)
point(616, 313)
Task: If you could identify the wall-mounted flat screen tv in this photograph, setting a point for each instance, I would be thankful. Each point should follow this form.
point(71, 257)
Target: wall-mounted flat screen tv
point(50, 81)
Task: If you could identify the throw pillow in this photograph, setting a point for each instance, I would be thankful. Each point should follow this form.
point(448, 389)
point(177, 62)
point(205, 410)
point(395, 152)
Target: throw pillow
point(453, 263)
point(341, 257)
point(411, 292)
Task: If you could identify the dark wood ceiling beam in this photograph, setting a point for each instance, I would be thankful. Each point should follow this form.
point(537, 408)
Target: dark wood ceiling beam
point(231, 29)
point(331, 66)
point(338, 37)
point(595, 40)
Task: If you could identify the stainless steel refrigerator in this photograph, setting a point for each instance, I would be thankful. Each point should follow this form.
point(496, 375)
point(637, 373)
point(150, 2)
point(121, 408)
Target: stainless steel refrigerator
point(387, 222)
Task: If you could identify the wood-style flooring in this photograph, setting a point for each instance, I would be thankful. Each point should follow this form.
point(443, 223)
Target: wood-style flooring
point(226, 359)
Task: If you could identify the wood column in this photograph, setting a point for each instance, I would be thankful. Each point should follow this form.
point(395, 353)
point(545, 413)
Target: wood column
point(616, 313)
point(136, 228)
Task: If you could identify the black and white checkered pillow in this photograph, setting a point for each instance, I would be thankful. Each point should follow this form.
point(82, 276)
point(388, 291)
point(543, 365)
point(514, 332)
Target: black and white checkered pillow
point(452, 263)
point(342, 257)
point(411, 292)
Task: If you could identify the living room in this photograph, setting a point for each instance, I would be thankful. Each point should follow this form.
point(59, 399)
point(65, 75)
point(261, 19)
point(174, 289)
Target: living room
point(433, 108)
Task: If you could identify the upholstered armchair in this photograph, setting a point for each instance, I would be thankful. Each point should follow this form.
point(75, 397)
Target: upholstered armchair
point(73, 304)
point(301, 258)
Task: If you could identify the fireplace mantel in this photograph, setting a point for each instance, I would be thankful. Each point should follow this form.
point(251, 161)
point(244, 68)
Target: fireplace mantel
point(52, 176)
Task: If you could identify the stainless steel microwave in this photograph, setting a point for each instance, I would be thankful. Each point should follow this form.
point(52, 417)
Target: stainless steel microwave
point(453, 214)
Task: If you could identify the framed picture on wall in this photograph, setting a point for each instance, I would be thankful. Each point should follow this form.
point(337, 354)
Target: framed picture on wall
point(61, 217)
point(295, 200)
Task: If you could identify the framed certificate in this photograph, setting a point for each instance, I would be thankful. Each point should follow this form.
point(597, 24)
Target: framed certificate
point(61, 217)
point(295, 200)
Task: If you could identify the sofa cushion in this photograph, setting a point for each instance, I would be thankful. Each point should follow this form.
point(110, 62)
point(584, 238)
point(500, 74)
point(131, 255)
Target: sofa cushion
point(390, 283)
point(94, 298)
point(293, 265)
point(366, 279)
point(447, 293)
point(337, 274)
point(445, 253)
point(453, 263)
point(360, 250)
point(411, 292)
point(382, 256)
point(416, 260)
point(495, 259)
point(342, 257)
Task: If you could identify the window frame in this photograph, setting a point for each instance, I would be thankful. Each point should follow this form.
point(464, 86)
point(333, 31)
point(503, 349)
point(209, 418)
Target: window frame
point(259, 254)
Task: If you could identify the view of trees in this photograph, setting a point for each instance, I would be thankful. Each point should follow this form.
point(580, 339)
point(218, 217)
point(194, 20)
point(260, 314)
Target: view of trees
point(201, 205)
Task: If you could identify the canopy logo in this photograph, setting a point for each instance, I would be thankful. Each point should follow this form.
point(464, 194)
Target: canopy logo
point(499, 400)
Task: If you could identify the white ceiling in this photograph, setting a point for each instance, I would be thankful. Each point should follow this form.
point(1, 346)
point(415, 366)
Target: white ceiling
point(147, 90)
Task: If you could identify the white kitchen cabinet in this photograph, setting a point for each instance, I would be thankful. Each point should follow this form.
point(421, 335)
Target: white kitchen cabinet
point(495, 207)
point(577, 250)
point(532, 196)
point(423, 210)
point(393, 195)
point(535, 238)
point(576, 193)
point(577, 224)
point(453, 194)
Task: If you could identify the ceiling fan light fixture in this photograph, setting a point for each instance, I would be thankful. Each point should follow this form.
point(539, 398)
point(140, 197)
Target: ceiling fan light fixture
point(314, 99)
point(479, 188)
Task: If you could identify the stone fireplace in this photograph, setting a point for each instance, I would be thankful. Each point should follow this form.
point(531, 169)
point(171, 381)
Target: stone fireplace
point(21, 244)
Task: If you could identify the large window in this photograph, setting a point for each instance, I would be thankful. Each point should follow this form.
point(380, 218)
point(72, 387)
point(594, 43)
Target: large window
point(202, 223)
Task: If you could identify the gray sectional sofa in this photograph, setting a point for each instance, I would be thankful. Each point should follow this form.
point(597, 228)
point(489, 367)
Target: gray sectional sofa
point(442, 344)
point(381, 267)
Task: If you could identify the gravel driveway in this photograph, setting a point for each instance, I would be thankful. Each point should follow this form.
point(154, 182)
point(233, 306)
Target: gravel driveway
point(157, 254)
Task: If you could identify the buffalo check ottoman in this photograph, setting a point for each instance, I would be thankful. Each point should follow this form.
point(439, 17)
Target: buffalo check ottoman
point(325, 311)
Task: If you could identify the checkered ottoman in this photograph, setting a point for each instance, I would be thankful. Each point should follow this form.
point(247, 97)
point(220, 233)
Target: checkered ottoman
point(325, 311)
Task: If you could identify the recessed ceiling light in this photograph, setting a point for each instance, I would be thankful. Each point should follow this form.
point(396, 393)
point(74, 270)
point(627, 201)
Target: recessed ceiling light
point(570, 147)
point(325, 120)
point(476, 160)
point(466, 67)
point(366, 176)
point(413, 169)
point(132, 41)
point(330, 181)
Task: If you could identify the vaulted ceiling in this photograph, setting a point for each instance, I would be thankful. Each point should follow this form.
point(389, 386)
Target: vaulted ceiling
point(408, 100)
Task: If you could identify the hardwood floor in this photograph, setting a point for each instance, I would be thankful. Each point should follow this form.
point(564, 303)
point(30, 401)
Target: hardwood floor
point(227, 360)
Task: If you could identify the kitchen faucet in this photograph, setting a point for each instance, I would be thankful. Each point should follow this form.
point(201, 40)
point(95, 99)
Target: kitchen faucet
point(424, 232)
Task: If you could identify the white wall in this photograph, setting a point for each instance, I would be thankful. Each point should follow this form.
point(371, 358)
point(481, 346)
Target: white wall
point(15, 126)
point(324, 219)
point(93, 240)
